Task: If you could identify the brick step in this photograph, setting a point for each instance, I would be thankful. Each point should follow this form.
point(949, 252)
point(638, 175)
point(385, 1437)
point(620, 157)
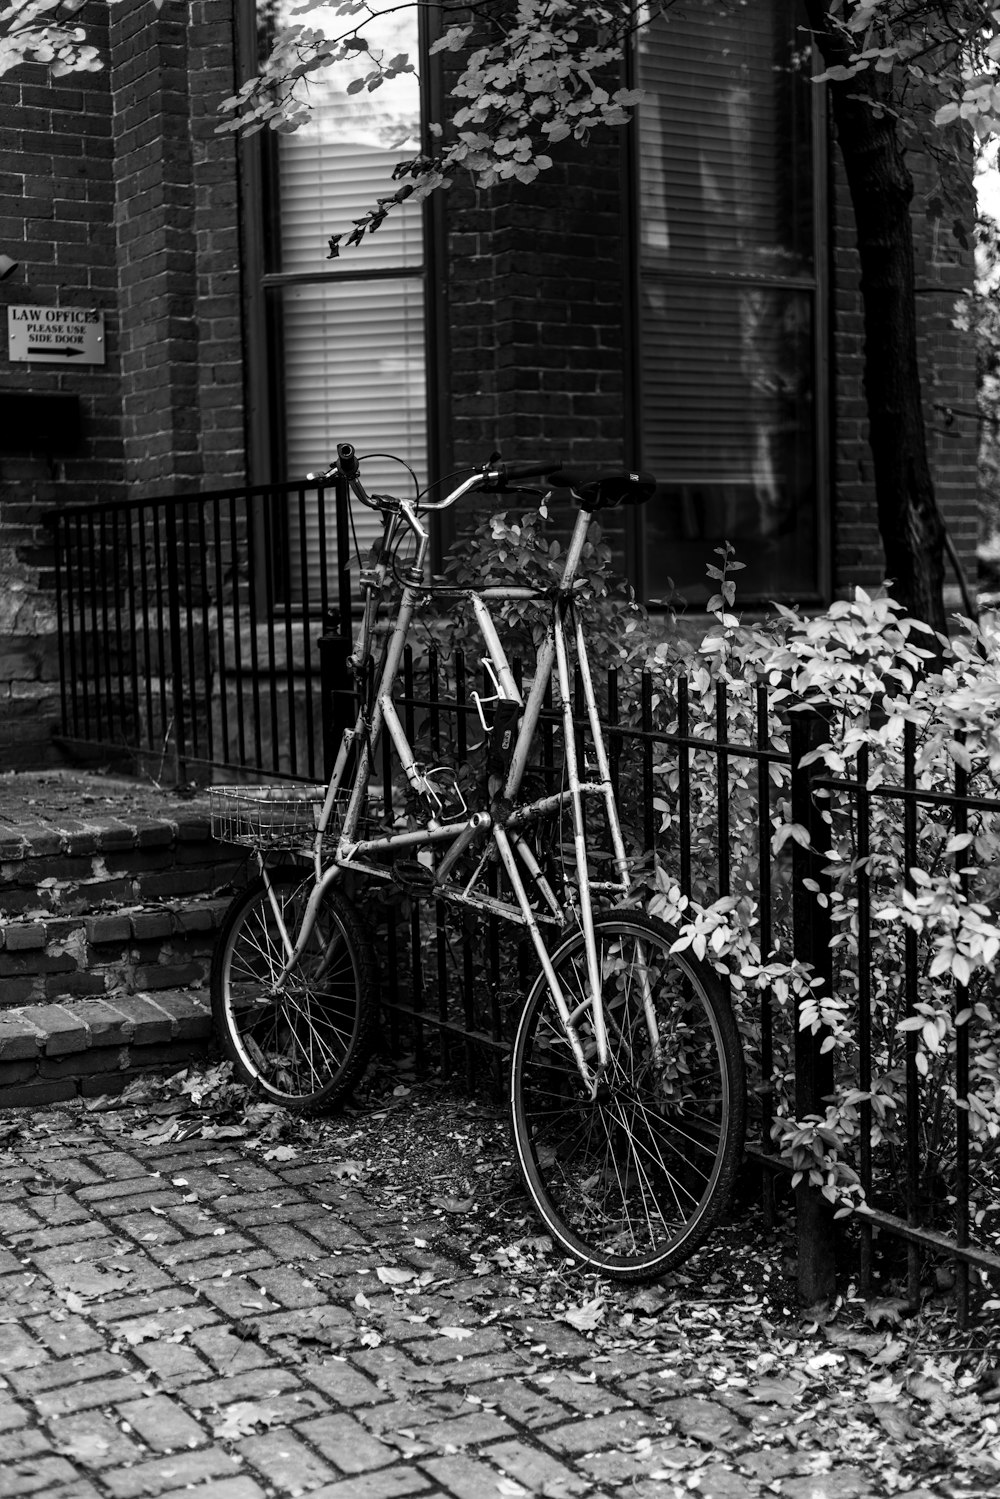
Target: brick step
point(91, 1047)
point(111, 895)
point(128, 949)
point(73, 867)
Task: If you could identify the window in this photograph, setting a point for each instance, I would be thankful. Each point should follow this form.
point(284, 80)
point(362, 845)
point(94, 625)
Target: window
point(346, 356)
point(729, 307)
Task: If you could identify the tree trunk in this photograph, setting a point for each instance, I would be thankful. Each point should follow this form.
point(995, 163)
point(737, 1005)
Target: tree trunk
point(881, 187)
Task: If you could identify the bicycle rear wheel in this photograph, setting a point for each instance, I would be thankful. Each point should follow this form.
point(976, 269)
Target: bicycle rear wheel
point(307, 1046)
point(633, 1181)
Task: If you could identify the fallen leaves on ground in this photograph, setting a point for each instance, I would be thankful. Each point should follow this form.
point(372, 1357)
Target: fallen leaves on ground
point(901, 1399)
point(242, 1419)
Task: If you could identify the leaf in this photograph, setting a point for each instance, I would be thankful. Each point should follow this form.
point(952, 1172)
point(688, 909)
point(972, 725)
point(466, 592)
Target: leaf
point(881, 1391)
point(889, 1309)
point(891, 1353)
point(586, 1316)
point(457, 1334)
point(390, 1275)
point(281, 1153)
point(454, 1204)
point(921, 1387)
point(894, 1422)
point(352, 1170)
point(786, 1392)
point(146, 1331)
point(649, 1300)
point(242, 1420)
point(826, 1360)
point(794, 830)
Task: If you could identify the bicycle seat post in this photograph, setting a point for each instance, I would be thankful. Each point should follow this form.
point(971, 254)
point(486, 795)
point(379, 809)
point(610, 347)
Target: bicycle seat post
point(574, 551)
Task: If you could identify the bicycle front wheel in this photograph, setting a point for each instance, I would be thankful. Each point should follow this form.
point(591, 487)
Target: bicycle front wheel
point(306, 1046)
point(632, 1181)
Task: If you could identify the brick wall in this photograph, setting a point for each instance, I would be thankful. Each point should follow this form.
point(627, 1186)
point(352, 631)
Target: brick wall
point(177, 246)
point(949, 385)
point(218, 289)
point(56, 195)
point(537, 319)
point(537, 315)
point(117, 194)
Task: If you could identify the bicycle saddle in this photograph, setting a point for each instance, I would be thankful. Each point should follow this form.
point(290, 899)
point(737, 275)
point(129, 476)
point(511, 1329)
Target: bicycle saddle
point(601, 491)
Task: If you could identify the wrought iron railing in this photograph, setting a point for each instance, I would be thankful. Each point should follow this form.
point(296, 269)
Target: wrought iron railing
point(204, 631)
point(454, 989)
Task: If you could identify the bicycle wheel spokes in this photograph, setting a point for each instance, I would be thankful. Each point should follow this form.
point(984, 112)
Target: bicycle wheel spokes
point(308, 1041)
point(632, 1180)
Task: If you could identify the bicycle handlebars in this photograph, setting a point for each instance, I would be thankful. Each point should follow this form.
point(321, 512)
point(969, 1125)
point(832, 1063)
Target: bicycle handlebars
point(494, 476)
point(598, 490)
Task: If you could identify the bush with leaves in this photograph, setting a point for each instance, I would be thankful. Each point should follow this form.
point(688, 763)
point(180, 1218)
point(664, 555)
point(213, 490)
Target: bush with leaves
point(863, 664)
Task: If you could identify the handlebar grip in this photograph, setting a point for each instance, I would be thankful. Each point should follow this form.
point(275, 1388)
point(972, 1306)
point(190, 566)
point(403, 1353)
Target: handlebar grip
point(347, 460)
point(513, 471)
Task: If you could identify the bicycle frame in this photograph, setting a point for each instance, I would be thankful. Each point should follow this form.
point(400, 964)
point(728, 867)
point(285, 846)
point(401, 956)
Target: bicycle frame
point(501, 826)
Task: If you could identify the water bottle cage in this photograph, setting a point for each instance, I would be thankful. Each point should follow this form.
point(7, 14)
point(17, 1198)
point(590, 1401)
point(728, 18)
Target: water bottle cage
point(440, 788)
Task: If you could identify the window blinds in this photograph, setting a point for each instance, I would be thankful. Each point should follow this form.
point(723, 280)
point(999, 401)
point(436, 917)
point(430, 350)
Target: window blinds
point(725, 142)
point(352, 337)
point(727, 291)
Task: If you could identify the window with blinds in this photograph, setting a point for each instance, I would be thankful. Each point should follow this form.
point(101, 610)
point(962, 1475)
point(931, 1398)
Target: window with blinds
point(727, 288)
point(348, 335)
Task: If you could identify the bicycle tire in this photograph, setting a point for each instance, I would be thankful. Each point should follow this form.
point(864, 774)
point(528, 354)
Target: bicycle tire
point(306, 1048)
point(633, 1182)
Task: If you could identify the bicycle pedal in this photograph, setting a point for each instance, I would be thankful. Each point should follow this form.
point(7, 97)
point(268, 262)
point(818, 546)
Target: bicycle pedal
point(412, 877)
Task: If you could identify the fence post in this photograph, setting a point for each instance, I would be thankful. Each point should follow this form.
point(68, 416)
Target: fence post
point(336, 687)
point(171, 539)
point(811, 930)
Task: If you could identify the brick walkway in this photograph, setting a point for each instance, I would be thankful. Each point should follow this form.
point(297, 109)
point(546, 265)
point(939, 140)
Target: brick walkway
point(196, 1318)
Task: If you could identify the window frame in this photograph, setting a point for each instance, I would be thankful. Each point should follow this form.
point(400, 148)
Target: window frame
point(820, 291)
point(259, 208)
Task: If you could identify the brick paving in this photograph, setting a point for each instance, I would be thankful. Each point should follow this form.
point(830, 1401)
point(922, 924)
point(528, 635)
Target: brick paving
point(192, 1317)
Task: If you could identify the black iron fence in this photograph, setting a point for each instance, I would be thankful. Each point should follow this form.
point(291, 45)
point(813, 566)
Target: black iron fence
point(205, 630)
point(188, 637)
point(704, 780)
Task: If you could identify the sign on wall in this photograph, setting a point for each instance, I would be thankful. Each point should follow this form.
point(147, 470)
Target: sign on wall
point(55, 335)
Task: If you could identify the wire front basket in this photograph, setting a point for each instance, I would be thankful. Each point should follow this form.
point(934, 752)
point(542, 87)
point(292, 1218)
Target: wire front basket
point(266, 816)
point(277, 817)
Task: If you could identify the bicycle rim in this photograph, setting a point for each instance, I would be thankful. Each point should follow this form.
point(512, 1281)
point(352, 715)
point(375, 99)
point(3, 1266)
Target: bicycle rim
point(309, 1044)
point(633, 1181)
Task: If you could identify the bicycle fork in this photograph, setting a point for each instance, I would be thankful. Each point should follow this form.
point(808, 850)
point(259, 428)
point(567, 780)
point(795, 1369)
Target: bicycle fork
point(294, 949)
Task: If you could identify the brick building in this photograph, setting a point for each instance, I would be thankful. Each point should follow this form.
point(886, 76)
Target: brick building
point(683, 295)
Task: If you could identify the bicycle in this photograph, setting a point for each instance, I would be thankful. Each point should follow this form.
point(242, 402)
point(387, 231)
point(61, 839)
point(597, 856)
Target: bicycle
point(627, 1085)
